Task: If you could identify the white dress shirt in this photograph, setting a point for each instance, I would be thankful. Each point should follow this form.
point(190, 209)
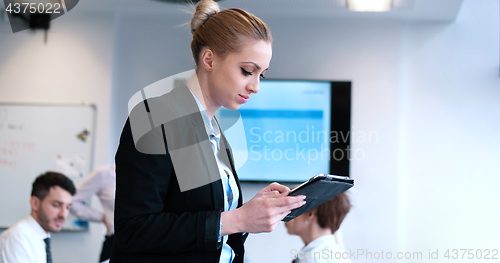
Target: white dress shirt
point(23, 242)
point(100, 182)
point(323, 249)
point(227, 177)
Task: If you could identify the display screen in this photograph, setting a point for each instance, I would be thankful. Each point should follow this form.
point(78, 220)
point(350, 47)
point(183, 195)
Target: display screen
point(287, 131)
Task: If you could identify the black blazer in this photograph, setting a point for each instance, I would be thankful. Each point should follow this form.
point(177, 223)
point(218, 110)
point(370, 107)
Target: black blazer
point(154, 220)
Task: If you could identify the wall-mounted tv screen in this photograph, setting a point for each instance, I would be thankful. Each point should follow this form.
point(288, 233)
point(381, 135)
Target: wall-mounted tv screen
point(293, 130)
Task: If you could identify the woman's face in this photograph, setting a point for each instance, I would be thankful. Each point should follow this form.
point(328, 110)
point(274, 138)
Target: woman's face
point(236, 76)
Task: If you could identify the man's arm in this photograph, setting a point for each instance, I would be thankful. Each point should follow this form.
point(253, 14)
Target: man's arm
point(85, 190)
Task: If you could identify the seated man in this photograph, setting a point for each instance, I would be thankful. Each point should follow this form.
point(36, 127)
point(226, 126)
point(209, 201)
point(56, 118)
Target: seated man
point(317, 227)
point(28, 240)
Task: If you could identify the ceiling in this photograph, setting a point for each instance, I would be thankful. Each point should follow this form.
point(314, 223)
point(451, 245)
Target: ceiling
point(406, 10)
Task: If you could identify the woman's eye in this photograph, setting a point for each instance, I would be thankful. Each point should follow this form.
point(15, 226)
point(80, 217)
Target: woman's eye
point(246, 73)
point(262, 76)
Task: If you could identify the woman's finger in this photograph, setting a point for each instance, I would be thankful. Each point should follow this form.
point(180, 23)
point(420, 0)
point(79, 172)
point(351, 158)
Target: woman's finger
point(273, 193)
point(278, 187)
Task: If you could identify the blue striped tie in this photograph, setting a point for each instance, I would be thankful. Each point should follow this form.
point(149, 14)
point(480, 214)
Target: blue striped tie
point(47, 249)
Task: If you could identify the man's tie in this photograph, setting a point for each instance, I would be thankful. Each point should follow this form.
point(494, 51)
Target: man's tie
point(47, 249)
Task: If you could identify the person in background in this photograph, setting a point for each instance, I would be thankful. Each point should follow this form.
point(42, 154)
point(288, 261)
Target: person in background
point(317, 227)
point(28, 240)
point(100, 182)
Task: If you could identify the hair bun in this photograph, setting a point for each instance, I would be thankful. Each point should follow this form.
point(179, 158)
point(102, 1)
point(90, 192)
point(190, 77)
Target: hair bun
point(204, 10)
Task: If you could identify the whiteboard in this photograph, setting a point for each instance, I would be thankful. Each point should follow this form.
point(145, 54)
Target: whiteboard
point(35, 139)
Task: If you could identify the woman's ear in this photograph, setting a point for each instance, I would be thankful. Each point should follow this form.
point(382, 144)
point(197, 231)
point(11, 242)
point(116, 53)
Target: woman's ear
point(207, 59)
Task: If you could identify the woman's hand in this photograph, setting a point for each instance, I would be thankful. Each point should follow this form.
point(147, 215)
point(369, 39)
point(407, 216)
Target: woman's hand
point(273, 189)
point(263, 212)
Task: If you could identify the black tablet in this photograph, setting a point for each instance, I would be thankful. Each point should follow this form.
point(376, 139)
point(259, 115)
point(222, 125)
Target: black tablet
point(319, 189)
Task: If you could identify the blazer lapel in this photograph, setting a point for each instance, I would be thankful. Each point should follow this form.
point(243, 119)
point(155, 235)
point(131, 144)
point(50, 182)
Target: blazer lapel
point(205, 154)
point(225, 145)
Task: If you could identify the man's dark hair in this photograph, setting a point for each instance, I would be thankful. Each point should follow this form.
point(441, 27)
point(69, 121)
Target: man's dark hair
point(43, 183)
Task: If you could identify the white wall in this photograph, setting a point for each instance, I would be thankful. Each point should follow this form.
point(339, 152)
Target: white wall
point(450, 109)
point(73, 67)
point(429, 90)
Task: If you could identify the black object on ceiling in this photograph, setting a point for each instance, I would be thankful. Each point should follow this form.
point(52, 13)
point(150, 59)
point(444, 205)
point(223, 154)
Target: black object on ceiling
point(34, 21)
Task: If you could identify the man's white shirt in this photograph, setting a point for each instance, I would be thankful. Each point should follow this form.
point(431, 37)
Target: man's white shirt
point(101, 182)
point(23, 242)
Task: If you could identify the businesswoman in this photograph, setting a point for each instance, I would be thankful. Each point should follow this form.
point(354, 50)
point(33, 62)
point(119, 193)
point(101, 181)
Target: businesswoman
point(178, 198)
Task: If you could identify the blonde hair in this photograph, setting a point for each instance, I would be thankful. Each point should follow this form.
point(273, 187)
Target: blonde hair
point(224, 31)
